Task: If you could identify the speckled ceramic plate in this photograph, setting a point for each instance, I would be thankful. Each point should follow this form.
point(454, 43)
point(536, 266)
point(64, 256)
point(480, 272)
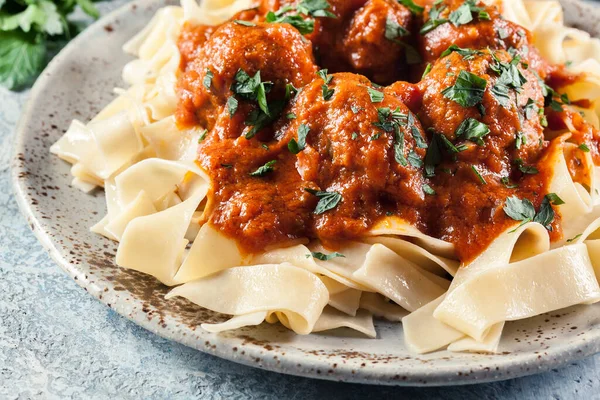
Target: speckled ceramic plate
point(76, 85)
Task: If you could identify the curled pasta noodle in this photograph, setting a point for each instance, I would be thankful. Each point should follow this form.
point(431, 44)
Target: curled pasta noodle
point(294, 292)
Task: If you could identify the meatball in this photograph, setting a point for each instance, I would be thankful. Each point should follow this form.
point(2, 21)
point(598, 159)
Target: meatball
point(493, 31)
point(361, 143)
point(372, 44)
point(462, 92)
point(277, 51)
point(366, 37)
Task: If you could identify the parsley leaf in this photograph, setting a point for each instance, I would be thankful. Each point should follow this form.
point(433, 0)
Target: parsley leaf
point(434, 19)
point(506, 182)
point(393, 30)
point(327, 200)
point(584, 147)
point(414, 160)
point(462, 15)
point(296, 147)
point(519, 209)
point(232, 105)
point(252, 88)
point(468, 89)
point(410, 4)
point(399, 147)
point(467, 54)
point(473, 130)
point(311, 8)
point(545, 215)
point(414, 130)
point(207, 81)
point(202, 135)
point(21, 59)
point(427, 70)
point(375, 95)
point(324, 257)
point(428, 189)
point(243, 23)
point(433, 157)
point(481, 178)
point(265, 169)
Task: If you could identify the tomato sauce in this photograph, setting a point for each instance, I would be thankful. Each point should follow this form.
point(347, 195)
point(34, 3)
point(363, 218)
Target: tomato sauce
point(296, 154)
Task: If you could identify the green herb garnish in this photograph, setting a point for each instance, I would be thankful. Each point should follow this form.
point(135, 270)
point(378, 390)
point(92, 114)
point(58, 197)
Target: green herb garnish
point(468, 89)
point(324, 257)
point(327, 200)
point(473, 130)
point(296, 147)
point(265, 169)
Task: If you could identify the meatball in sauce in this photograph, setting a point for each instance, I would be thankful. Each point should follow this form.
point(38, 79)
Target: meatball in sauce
point(302, 143)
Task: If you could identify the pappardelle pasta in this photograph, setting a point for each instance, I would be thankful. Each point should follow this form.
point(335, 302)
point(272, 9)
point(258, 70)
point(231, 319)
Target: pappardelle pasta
point(322, 163)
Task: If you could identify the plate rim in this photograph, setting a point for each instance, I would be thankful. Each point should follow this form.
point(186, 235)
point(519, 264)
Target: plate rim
point(555, 357)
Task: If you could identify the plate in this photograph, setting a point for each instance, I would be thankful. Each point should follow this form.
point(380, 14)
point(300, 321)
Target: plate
point(77, 84)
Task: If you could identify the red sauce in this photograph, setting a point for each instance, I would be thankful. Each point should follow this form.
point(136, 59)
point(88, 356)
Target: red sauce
point(352, 146)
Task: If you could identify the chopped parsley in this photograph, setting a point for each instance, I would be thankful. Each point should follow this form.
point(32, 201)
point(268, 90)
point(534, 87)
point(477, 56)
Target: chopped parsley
point(327, 200)
point(355, 109)
point(481, 179)
point(296, 147)
point(324, 257)
point(531, 109)
point(434, 19)
point(354, 135)
point(290, 91)
point(323, 75)
point(232, 105)
point(427, 70)
point(507, 184)
point(265, 169)
point(228, 166)
point(252, 88)
point(243, 23)
point(473, 130)
point(388, 119)
point(450, 146)
point(207, 81)
point(399, 148)
point(414, 160)
point(375, 136)
point(520, 139)
point(433, 156)
point(393, 30)
point(463, 14)
point(468, 89)
point(327, 93)
point(410, 4)
point(467, 54)
point(310, 8)
point(584, 147)
point(428, 189)
point(503, 33)
point(574, 238)
point(375, 95)
point(526, 169)
point(290, 115)
point(414, 130)
point(202, 135)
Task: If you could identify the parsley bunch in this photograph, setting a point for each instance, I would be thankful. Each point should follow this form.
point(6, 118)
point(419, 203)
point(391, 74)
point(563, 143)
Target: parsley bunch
point(32, 30)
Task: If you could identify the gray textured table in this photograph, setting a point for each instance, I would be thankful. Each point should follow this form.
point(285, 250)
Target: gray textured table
point(58, 342)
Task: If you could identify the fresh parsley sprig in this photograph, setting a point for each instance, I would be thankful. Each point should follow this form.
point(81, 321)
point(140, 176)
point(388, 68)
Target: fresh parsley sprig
point(30, 32)
point(524, 211)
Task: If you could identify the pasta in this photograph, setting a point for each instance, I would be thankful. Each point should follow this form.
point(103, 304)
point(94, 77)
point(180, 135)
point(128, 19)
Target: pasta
point(161, 200)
